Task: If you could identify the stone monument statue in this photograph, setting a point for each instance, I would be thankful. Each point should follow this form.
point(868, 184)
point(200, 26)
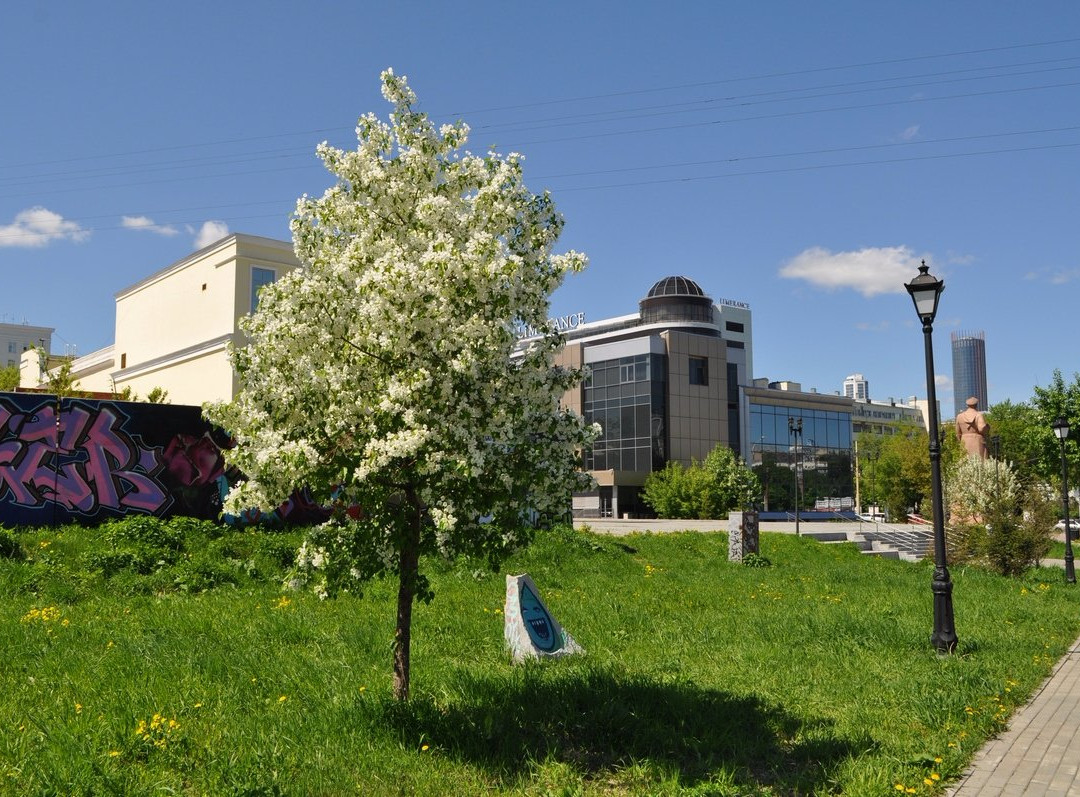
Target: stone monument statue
point(972, 429)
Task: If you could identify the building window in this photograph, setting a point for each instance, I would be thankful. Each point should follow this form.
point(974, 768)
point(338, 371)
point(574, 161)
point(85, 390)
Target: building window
point(734, 326)
point(259, 278)
point(11, 347)
point(699, 371)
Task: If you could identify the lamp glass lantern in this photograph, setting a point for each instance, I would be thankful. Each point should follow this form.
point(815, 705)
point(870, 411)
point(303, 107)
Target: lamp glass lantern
point(925, 291)
point(1060, 427)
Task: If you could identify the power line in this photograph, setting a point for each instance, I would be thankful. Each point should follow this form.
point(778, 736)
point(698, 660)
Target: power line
point(818, 167)
point(801, 72)
point(684, 164)
point(629, 113)
point(770, 75)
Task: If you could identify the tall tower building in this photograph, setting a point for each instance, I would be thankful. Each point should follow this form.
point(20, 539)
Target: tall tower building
point(969, 369)
point(856, 387)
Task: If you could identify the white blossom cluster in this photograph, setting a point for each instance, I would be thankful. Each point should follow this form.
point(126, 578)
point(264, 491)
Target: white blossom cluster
point(973, 486)
point(380, 373)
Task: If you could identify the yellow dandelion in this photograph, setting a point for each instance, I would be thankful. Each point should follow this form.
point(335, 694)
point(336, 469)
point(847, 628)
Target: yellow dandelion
point(937, 759)
point(928, 782)
point(114, 753)
point(363, 688)
point(899, 787)
point(282, 699)
point(423, 747)
point(910, 790)
point(935, 776)
point(197, 705)
point(78, 708)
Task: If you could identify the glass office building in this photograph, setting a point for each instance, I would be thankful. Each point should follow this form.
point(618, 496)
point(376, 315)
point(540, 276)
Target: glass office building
point(663, 384)
point(818, 459)
point(969, 370)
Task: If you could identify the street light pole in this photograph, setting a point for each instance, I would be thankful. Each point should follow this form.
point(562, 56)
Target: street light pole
point(925, 291)
point(794, 426)
point(1061, 430)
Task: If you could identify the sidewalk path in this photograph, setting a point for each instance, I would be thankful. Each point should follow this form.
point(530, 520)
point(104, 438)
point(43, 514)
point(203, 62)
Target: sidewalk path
point(1039, 755)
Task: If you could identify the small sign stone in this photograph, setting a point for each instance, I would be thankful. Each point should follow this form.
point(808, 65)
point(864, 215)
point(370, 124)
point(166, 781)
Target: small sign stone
point(743, 536)
point(530, 630)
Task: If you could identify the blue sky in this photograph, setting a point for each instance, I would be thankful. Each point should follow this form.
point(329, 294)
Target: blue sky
point(801, 157)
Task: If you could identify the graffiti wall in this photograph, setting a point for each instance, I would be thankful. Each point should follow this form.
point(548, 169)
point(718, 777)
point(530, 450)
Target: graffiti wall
point(82, 460)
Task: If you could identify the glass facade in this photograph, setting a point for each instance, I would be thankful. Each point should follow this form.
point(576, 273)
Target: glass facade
point(627, 397)
point(824, 462)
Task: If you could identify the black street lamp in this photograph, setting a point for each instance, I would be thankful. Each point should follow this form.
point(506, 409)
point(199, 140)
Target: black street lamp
point(1061, 429)
point(794, 426)
point(925, 291)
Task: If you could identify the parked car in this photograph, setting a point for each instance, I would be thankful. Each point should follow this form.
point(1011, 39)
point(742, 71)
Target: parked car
point(1074, 526)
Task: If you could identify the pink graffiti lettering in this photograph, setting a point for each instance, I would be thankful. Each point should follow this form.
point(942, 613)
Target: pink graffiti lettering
point(84, 463)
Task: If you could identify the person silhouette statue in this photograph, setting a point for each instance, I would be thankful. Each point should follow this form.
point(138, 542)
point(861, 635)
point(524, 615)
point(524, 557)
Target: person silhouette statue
point(972, 429)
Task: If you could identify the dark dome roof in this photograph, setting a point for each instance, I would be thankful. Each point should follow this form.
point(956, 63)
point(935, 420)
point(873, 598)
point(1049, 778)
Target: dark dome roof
point(675, 286)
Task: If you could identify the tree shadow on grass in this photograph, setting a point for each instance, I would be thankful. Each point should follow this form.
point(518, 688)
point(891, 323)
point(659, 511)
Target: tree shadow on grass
point(598, 721)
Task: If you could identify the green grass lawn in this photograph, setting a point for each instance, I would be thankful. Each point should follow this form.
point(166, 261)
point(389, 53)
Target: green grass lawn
point(195, 673)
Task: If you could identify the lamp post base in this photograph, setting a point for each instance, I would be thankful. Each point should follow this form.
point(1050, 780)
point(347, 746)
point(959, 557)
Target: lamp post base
point(944, 636)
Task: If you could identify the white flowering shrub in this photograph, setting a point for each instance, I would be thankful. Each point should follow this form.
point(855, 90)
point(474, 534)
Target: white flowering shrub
point(974, 486)
point(384, 373)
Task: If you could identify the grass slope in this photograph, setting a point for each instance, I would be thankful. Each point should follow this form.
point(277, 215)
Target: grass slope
point(178, 664)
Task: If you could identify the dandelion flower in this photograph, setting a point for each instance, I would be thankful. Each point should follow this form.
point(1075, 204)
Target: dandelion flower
point(282, 699)
point(423, 747)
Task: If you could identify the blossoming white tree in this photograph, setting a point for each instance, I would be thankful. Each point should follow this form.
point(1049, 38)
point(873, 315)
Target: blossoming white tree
point(386, 372)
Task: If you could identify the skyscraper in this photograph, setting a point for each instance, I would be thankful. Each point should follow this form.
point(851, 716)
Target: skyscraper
point(969, 369)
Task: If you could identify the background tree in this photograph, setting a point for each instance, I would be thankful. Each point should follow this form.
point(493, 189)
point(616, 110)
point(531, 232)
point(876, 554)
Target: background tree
point(61, 382)
point(1059, 398)
point(9, 377)
point(706, 490)
point(1020, 443)
point(386, 372)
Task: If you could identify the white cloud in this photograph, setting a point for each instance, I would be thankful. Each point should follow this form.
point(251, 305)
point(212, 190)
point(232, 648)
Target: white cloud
point(210, 232)
point(147, 225)
point(909, 133)
point(942, 381)
point(1054, 276)
point(866, 326)
point(869, 271)
point(37, 227)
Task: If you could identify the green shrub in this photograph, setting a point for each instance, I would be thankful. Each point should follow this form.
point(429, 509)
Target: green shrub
point(9, 546)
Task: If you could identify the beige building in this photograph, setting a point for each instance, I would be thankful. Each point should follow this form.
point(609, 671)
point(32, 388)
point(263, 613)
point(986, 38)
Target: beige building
point(173, 328)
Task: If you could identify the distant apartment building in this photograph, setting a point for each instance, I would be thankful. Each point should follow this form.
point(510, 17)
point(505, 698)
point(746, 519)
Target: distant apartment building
point(857, 388)
point(969, 370)
point(17, 338)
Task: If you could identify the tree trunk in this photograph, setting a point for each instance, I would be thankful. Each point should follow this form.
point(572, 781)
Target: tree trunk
point(409, 569)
